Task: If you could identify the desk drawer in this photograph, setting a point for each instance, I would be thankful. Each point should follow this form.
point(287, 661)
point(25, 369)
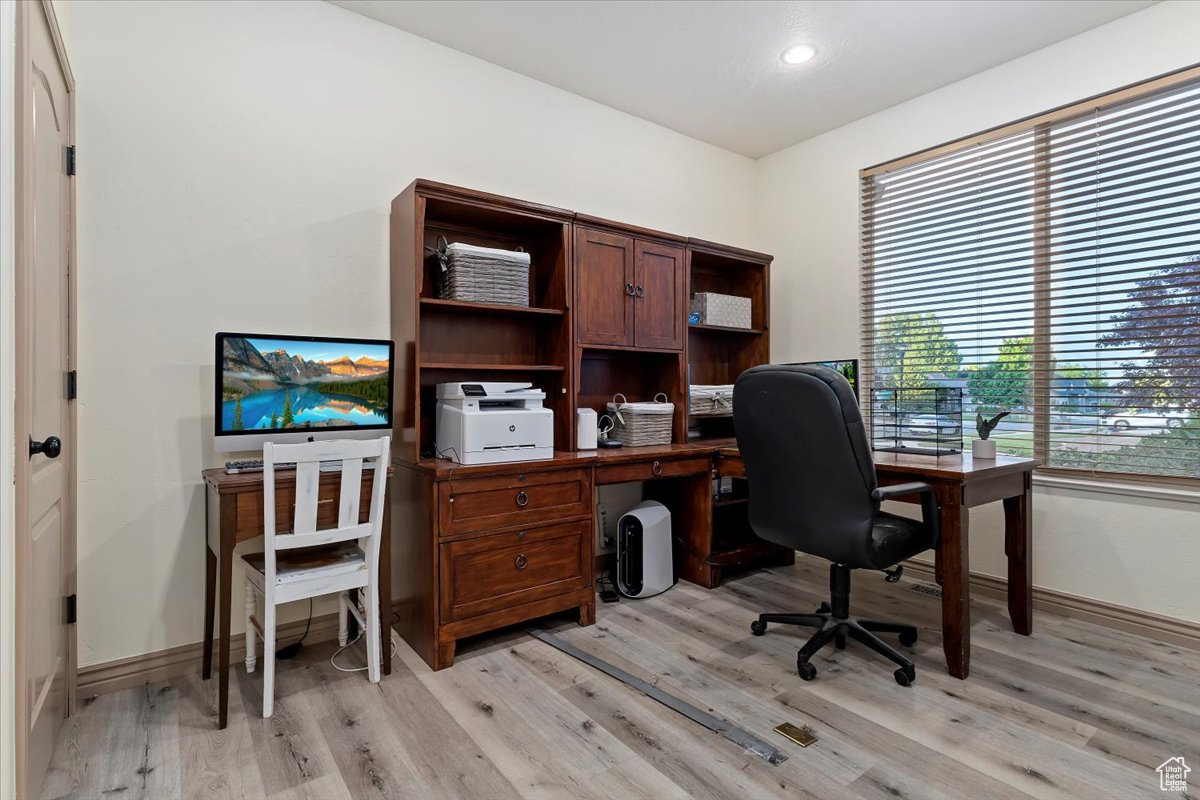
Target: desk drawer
point(494, 572)
point(506, 501)
point(650, 469)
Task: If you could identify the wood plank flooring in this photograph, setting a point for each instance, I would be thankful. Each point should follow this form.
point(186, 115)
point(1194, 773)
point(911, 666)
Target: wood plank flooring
point(1076, 710)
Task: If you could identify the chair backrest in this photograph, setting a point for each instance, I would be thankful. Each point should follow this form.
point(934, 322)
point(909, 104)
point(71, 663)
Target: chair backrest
point(308, 458)
point(807, 458)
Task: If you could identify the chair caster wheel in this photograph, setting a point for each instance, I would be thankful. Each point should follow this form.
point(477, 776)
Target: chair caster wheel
point(908, 638)
point(905, 677)
point(824, 608)
point(807, 671)
point(758, 627)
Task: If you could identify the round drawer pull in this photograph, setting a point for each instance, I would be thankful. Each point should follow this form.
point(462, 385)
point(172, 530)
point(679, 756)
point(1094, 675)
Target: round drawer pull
point(521, 534)
point(656, 468)
point(521, 562)
point(522, 499)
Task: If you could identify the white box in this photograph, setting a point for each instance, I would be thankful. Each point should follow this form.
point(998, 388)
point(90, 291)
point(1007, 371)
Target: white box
point(726, 310)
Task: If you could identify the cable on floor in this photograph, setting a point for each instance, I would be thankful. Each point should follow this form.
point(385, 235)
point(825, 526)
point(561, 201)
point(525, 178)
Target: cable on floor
point(349, 644)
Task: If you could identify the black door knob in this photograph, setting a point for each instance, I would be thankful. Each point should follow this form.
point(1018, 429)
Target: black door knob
point(49, 448)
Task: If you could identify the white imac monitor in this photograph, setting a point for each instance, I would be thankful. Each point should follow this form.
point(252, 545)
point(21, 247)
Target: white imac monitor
point(286, 389)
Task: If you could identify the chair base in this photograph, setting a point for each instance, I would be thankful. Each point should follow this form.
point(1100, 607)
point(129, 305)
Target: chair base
point(834, 624)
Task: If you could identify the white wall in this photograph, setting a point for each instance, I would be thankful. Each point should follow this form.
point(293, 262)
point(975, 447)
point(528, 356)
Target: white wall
point(236, 165)
point(1133, 552)
point(237, 161)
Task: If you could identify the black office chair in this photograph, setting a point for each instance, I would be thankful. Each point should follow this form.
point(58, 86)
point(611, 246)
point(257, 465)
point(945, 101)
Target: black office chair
point(812, 488)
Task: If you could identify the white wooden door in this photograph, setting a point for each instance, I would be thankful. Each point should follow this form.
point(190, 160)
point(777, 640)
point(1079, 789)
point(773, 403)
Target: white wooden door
point(45, 473)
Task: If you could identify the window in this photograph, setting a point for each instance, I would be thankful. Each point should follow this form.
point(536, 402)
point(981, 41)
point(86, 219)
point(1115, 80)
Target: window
point(1051, 269)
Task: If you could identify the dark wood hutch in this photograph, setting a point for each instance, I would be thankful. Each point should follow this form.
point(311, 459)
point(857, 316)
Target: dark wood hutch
point(481, 547)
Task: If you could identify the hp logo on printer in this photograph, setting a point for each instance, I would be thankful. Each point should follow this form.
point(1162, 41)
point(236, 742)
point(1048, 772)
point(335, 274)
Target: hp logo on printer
point(512, 428)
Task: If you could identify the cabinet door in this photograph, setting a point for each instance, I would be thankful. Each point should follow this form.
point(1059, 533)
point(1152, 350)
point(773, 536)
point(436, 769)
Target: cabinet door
point(603, 271)
point(659, 315)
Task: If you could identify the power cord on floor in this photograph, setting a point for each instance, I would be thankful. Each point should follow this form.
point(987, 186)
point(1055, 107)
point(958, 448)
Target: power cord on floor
point(608, 588)
point(347, 645)
point(293, 649)
point(679, 540)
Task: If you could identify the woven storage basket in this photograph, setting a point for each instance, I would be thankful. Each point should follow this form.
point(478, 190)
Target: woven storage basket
point(638, 424)
point(710, 400)
point(481, 274)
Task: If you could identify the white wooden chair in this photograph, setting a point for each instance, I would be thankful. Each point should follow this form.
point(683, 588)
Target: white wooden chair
point(288, 569)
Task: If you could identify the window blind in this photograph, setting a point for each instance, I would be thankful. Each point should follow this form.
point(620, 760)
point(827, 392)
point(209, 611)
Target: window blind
point(1052, 272)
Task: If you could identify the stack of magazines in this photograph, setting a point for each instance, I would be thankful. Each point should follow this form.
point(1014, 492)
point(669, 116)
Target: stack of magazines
point(483, 274)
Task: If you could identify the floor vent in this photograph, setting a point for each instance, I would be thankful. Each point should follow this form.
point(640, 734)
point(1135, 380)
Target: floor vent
point(927, 589)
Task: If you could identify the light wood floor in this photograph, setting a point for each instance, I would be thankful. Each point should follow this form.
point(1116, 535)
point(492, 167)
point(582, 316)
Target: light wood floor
point(1075, 711)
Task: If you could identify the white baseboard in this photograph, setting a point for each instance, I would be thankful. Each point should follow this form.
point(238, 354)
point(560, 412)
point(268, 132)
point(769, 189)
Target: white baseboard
point(1180, 632)
point(123, 673)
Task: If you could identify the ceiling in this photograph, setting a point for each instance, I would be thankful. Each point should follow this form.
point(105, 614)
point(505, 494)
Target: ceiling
point(711, 70)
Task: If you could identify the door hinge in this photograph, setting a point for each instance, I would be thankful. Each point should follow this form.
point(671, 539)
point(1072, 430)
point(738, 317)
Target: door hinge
point(70, 159)
point(69, 610)
point(72, 384)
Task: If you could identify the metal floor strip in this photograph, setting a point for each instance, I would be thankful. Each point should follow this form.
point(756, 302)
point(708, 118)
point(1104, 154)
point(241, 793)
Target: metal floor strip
point(738, 736)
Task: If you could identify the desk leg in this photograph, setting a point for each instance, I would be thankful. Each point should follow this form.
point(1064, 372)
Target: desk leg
point(1018, 544)
point(225, 578)
point(954, 569)
point(385, 585)
point(210, 599)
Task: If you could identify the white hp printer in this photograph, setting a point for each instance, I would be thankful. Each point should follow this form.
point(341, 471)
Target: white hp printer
point(489, 423)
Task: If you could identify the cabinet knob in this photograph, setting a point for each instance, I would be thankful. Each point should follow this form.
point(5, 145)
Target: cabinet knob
point(629, 290)
point(656, 468)
point(521, 562)
point(522, 499)
point(641, 292)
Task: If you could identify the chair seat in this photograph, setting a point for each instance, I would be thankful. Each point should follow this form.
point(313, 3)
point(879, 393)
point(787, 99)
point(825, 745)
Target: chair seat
point(308, 562)
point(895, 538)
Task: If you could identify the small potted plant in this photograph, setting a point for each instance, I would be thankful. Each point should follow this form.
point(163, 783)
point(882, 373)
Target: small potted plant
point(984, 447)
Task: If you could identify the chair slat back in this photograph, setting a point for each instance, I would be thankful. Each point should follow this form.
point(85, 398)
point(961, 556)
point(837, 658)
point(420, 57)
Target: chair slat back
point(308, 456)
point(351, 492)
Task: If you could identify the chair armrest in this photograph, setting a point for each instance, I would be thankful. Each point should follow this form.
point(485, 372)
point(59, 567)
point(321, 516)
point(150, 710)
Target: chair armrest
point(930, 512)
point(888, 492)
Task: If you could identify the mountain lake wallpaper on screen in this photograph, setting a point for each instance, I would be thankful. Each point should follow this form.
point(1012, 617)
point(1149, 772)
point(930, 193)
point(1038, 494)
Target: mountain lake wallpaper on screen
point(281, 383)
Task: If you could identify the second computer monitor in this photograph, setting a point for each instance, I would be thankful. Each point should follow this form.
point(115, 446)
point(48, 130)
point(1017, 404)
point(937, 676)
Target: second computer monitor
point(848, 367)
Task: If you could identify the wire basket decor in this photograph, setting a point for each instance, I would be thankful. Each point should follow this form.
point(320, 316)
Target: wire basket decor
point(481, 274)
point(643, 423)
point(714, 400)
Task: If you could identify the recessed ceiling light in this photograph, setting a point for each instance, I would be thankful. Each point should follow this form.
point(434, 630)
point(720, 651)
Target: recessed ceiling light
point(798, 54)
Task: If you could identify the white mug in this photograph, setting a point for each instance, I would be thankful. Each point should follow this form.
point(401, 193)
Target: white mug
point(585, 429)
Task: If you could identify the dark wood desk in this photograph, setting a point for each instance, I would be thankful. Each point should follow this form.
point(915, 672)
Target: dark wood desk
point(962, 483)
point(234, 513)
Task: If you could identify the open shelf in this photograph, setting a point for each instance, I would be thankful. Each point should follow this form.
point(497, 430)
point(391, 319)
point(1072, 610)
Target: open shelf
point(475, 222)
point(624, 348)
point(638, 374)
point(700, 327)
point(744, 554)
point(453, 365)
point(487, 309)
point(726, 502)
